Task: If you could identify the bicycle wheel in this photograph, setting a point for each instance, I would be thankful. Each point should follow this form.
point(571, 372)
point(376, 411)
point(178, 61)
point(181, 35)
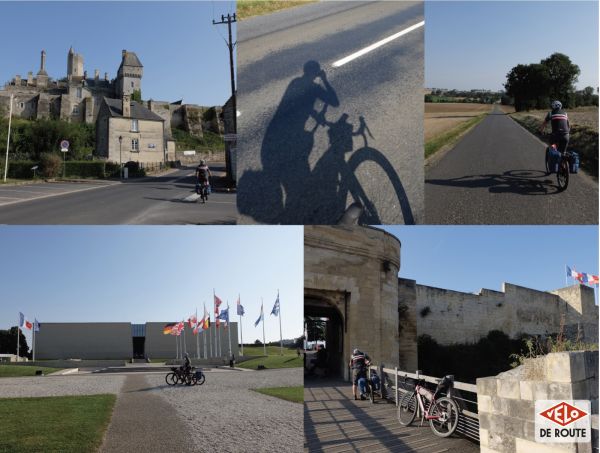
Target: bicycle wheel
point(201, 379)
point(388, 195)
point(407, 408)
point(562, 176)
point(445, 411)
point(171, 379)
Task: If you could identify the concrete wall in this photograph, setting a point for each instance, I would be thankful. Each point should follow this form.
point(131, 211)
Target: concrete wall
point(506, 402)
point(94, 340)
point(160, 346)
point(362, 263)
point(456, 317)
point(150, 133)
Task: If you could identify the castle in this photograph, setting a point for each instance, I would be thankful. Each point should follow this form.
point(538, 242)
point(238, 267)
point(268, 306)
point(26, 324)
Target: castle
point(83, 99)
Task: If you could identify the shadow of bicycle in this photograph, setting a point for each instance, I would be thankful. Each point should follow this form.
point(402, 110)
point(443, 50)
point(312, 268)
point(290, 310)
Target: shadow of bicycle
point(288, 191)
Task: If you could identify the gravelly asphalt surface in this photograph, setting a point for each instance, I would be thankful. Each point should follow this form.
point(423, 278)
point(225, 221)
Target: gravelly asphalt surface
point(225, 415)
point(293, 169)
point(22, 387)
point(496, 175)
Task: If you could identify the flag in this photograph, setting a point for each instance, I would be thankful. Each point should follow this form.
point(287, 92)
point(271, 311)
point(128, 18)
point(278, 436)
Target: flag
point(592, 279)
point(240, 308)
point(574, 274)
point(36, 325)
point(204, 323)
point(168, 328)
point(225, 315)
point(217, 303)
point(24, 323)
point(275, 310)
point(192, 321)
point(177, 328)
point(260, 318)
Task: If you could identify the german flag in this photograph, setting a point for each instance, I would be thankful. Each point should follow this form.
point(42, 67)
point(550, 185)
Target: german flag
point(168, 329)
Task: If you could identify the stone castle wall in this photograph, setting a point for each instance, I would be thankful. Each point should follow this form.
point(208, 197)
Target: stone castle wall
point(457, 317)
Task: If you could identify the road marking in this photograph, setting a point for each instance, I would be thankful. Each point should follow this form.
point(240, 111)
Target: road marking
point(368, 49)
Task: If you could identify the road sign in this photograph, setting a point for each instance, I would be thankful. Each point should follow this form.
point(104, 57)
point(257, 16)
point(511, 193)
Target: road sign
point(64, 146)
point(230, 137)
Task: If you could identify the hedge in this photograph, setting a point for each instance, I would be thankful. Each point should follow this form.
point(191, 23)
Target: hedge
point(81, 169)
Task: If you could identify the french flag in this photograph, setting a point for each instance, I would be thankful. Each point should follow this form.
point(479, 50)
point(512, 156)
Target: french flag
point(574, 274)
point(24, 323)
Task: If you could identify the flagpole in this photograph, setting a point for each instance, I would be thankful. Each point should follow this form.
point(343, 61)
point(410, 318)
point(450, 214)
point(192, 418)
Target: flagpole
point(262, 312)
point(280, 336)
point(197, 336)
point(215, 312)
point(33, 339)
point(241, 333)
point(209, 337)
point(566, 276)
point(228, 330)
point(176, 348)
point(18, 324)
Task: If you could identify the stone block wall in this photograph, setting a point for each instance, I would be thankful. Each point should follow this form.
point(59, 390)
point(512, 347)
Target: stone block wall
point(506, 402)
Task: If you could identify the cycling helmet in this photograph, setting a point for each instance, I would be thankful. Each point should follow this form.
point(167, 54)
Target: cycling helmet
point(356, 351)
point(556, 105)
point(202, 162)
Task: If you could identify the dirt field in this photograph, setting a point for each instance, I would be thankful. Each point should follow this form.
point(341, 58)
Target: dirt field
point(580, 116)
point(441, 117)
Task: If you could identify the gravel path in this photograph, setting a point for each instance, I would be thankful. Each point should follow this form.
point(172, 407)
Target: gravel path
point(225, 415)
point(22, 387)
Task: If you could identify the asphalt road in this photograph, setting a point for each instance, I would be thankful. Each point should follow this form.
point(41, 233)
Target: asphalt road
point(496, 175)
point(303, 156)
point(162, 200)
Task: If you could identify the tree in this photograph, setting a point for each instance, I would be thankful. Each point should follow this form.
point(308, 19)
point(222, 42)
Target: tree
point(258, 343)
point(562, 75)
point(8, 342)
point(136, 95)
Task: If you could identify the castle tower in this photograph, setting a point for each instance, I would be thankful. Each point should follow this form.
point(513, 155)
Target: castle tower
point(74, 65)
point(129, 75)
point(42, 75)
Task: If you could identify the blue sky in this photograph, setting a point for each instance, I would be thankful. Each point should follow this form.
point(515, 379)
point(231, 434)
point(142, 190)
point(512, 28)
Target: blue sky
point(475, 44)
point(183, 54)
point(139, 274)
point(468, 258)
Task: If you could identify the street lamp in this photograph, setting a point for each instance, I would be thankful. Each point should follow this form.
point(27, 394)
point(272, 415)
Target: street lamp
point(120, 160)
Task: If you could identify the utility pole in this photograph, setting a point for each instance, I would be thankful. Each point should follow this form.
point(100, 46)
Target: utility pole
point(8, 140)
point(230, 19)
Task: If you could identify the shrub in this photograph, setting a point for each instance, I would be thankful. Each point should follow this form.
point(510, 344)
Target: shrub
point(50, 165)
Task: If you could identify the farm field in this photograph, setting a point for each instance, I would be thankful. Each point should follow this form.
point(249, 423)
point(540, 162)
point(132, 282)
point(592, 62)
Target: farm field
point(442, 117)
point(579, 116)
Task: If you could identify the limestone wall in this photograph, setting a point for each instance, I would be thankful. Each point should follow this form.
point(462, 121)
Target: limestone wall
point(506, 402)
point(457, 317)
point(151, 134)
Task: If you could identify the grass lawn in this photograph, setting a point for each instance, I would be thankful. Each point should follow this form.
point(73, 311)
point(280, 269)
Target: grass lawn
point(54, 424)
point(24, 370)
point(289, 359)
point(249, 8)
point(452, 136)
point(294, 394)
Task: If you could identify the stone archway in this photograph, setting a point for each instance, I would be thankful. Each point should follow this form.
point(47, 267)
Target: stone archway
point(326, 306)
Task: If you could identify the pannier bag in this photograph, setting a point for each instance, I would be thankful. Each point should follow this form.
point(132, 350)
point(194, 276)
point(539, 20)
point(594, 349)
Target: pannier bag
point(574, 162)
point(553, 159)
point(375, 382)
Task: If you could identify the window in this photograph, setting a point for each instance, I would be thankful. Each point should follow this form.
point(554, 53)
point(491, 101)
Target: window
point(79, 93)
point(131, 84)
point(135, 144)
point(75, 110)
point(22, 105)
point(134, 126)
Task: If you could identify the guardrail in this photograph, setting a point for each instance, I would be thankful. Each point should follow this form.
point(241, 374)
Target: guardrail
point(396, 382)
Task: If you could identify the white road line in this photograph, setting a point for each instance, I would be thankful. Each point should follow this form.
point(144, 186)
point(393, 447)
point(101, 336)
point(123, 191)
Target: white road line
point(368, 49)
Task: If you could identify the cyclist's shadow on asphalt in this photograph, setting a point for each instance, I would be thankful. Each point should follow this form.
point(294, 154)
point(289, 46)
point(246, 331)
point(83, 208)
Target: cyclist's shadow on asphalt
point(286, 190)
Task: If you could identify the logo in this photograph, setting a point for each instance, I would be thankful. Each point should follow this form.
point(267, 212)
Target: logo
point(562, 421)
point(563, 414)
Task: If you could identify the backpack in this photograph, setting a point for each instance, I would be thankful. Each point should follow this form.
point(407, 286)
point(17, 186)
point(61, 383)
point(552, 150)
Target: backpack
point(203, 173)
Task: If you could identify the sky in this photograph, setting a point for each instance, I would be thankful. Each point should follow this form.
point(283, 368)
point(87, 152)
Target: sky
point(468, 258)
point(184, 55)
point(139, 274)
point(474, 44)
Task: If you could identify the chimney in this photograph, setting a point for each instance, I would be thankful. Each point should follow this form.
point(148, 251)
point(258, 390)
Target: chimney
point(106, 76)
point(126, 106)
point(96, 75)
point(43, 62)
point(18, 80)
point(123, 53)
point(30, 78)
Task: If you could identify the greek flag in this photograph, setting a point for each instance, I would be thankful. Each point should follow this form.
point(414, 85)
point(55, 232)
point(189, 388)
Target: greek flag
point(260, 318)
point(224, 316)
point(275, 310)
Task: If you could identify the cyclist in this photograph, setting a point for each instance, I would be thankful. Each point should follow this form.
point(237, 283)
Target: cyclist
point(187, 364)
point(560, 126)
point(359, 363)
point(203, 174)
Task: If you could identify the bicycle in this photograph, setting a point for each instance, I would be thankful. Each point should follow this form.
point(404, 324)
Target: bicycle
point(203, 189)
point(442, 413)
point(178, 376)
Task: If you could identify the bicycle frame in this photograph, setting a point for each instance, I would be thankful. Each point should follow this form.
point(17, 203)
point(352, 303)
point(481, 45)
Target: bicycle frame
point(425, 414)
